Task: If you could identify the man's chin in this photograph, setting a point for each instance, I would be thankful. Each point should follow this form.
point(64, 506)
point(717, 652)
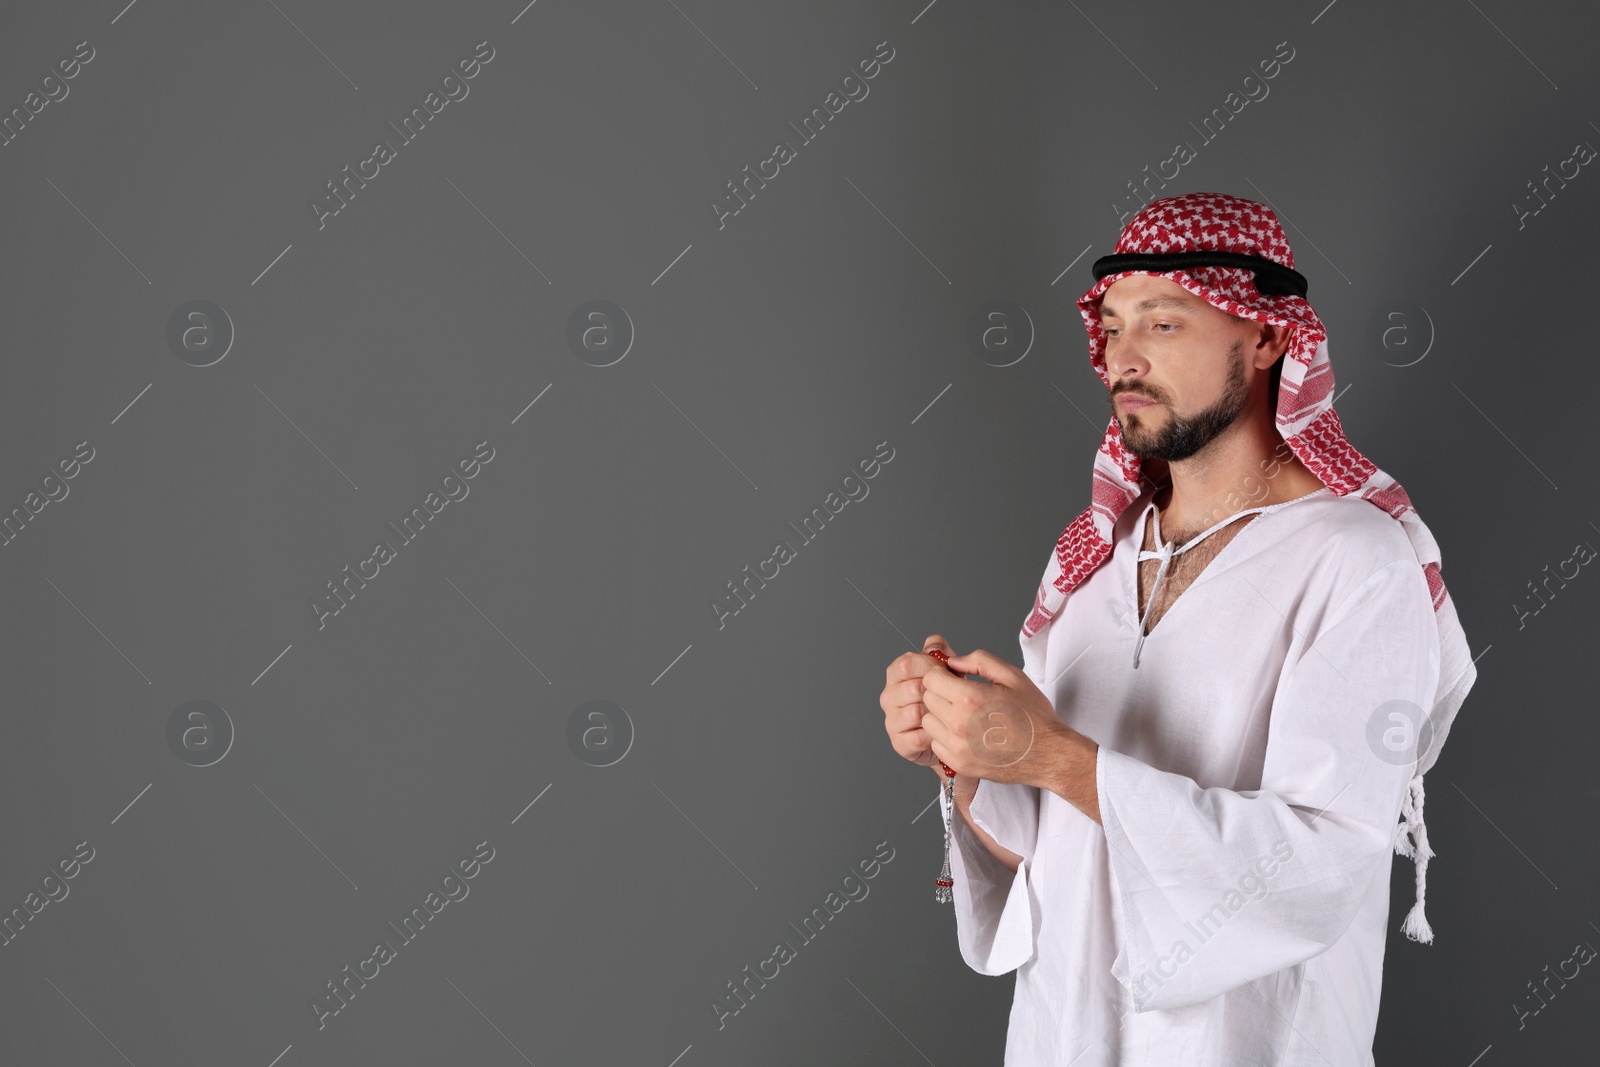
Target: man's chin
point(1138, 439)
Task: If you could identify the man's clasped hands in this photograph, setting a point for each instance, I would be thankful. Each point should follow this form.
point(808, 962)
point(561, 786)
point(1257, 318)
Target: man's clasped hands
point(1003, 728)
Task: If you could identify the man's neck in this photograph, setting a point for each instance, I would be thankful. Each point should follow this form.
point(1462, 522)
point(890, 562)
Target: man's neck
point(1247, 467)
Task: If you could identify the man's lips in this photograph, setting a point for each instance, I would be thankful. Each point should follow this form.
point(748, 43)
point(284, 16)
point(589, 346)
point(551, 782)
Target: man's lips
point(1133, 401)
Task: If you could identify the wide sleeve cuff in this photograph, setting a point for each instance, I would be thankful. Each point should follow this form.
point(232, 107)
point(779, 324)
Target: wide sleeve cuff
point(994, 907)
point(1213, 888)
point(1008, 813)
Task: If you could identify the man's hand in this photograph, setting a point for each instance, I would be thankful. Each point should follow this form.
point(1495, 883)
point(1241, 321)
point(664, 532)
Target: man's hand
point(902, 703)
point(1006, 731)
point(905, 714)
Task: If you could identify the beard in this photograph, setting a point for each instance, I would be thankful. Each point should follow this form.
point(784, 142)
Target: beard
point(1183, 436)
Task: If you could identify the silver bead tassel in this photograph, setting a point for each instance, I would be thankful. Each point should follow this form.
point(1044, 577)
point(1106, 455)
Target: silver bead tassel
point(941, 892)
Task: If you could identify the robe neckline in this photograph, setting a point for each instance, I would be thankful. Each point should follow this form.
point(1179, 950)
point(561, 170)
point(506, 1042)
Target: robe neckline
point(1167, 550)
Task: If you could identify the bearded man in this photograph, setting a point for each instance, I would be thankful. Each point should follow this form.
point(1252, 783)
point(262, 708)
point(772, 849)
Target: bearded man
point(1172, 823)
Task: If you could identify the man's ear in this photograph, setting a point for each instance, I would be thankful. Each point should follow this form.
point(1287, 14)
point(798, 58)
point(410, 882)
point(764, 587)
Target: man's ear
point(1280, 343)
point(1271, 341)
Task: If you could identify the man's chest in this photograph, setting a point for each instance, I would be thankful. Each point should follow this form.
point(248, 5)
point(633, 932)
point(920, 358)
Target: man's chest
point(1182, 569)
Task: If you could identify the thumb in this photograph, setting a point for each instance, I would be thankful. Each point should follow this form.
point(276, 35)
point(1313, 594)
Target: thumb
point(936, 641)
point(986, 665)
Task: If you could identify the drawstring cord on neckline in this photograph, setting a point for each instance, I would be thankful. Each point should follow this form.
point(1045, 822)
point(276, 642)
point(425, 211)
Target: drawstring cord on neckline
point(1169, 549)
point(1165, 556)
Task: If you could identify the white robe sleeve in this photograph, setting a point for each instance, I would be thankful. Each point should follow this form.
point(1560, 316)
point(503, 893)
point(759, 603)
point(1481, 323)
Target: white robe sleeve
point(993, 906)
point(1214, 887)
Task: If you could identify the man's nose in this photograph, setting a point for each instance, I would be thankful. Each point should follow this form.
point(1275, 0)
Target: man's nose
point(1127, 371)
point(1125, 361)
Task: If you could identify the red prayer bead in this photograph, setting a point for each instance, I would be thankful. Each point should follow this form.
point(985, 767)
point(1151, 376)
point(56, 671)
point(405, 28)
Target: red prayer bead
point(943, 657)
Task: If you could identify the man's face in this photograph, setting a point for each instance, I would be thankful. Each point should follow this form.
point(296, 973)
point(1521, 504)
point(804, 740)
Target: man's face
point(1168, 346)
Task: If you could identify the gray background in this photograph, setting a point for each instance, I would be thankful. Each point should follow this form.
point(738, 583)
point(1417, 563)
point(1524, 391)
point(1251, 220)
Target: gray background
point(770, 356)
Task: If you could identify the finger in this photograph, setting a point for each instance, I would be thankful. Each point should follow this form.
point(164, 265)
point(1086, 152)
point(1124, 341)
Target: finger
point(906, 665)
point(906, 694)
point(941, 745)
point(910, 665)
point(987, 666)
point(908, 720)
point(937, 708)
point(945, 681)
point(918, 665)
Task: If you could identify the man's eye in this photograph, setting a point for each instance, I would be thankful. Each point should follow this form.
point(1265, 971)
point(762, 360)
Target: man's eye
point(1112, 332)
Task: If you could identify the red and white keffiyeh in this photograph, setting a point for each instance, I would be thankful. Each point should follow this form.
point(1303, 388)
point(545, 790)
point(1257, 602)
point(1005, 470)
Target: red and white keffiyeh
point(1305, 419)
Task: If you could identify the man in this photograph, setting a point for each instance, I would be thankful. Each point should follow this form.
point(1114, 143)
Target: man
point(1173, 822)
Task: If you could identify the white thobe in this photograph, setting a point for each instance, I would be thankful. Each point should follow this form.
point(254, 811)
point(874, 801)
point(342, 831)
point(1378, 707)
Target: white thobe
point(1233, 904)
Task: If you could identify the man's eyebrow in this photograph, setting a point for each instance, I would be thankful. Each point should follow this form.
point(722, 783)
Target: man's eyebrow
point(1149, 304)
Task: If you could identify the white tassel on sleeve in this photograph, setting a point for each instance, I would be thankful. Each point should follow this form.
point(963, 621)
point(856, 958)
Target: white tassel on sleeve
point(1411, 839)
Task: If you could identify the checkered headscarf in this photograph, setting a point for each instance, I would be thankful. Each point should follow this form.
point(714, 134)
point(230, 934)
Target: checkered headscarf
point(1216, 222)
